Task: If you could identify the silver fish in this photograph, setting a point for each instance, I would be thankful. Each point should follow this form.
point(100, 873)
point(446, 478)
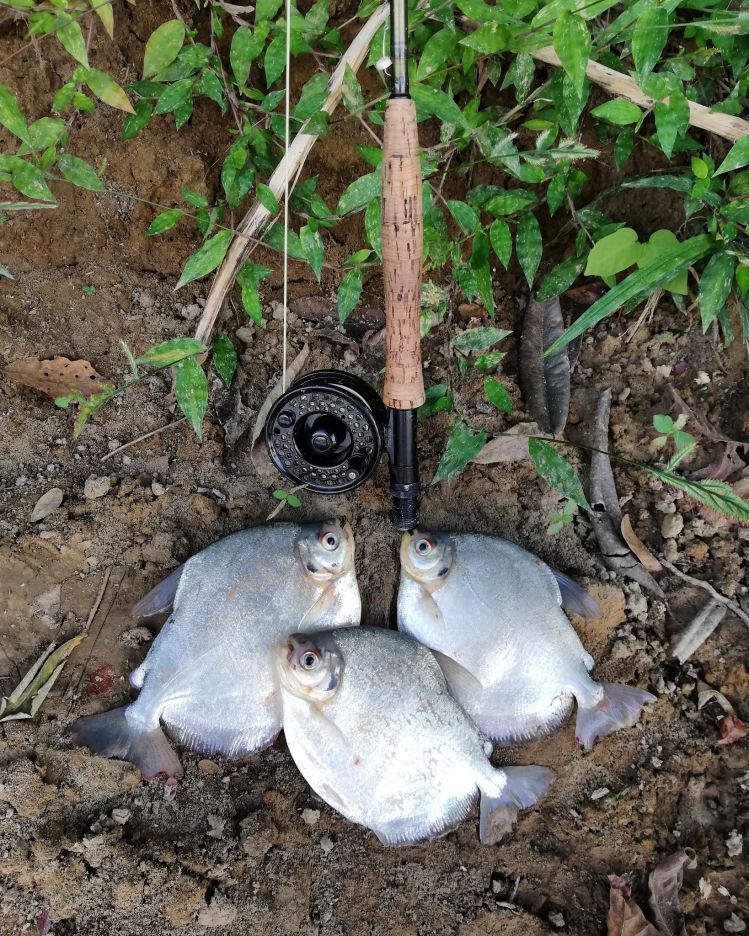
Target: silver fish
point(210, 675)
point(510, 655)
point(373, 729)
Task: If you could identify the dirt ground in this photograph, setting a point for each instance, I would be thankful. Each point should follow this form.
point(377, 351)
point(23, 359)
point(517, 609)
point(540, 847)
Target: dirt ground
point(86, 840)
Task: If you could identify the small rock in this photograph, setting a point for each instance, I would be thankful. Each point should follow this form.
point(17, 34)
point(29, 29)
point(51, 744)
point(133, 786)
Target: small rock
point(705, 889)
point(157, 488)
point(94, 487)
point(702, 379)
point(311, 816)
point(326, 844)
point(47, 606)
point(219, 912)
point(245, 334)
point(145, 300)
point(190, 312)
point(206, 509)
point(258, 834)
point(671, 525)
point(46, 504)
point(277, 310)
point(734, 924)
point(120, 815)
point(208, 767)
point(600, 793)
point(557, 920)
point(216, 826)
point(734, 844)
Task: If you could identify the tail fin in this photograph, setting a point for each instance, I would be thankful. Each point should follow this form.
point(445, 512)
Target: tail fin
point(160, 599)
point(113, 735)
point(620, 707)
point(523, 787)
point(575, 599)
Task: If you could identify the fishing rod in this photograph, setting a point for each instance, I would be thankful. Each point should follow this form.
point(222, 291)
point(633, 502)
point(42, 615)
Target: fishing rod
point(329, 430)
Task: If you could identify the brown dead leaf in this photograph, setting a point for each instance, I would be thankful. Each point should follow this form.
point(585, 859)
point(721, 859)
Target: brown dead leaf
point(731, 729)
point(638, 547)
point(625, 917)
point(56, 377)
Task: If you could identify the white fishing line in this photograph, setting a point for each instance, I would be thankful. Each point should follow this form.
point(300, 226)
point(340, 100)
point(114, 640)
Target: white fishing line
point(286, 145)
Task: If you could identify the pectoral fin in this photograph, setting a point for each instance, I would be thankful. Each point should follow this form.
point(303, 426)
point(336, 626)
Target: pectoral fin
point(461, 681)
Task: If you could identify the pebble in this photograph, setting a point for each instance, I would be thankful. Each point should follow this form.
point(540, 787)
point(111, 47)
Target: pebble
point(216, 826)
point(734, 924)
point(47, 504)
point(600, 793)
point(311, 816)
point(671, 525)
point(157, 488)
point(95, 487)
point(208, 767)
point(145, 300)
point(120, 815)
point(705, 889)
point(190, 312)
point(557, 920)
point(734, 844)
point(276, 310)
point(326, 844)
point(245, 334)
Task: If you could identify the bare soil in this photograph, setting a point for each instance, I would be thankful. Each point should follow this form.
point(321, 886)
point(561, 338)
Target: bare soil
point(86, 840)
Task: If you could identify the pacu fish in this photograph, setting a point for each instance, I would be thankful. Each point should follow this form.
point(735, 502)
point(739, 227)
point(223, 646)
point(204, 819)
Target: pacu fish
point(510, 655)
point(210, 676)
point(373, 729)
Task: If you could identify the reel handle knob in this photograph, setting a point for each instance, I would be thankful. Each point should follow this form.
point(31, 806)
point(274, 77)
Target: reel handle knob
point(402, 245)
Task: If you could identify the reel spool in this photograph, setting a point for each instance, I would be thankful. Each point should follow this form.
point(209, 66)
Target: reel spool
point(327, 432)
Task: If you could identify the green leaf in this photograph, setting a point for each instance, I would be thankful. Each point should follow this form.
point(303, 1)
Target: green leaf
point(171, 352)
point(373, 226)
point(431, 102)
point(715, 286)
point(28, 180)
point(663, 423)
point(671, 121)
point(164, 221)
point(103, 9)
point(107, 90)
point(224, 358)
point(206, 258)
point(649, 38)
point(557, 471)
point(252, 305)
point(267, 199)
point(10, 115)
point(488, 39)
point(479, 339)
point(349, 293)
point(466, 217)
point(572, 44)
point(463, 446)
point(488, 360)
point(240, 54)
point(717, 495)
point(437, 399)
point(275, 60)
point(619, 112)
point(560, 278)
point(191, 390)
point(134, 123)
point(266, 9)
point(509, 202)
point(661, 241)
point(360, 193)
point(482, 271)
point(737, 158)
point(625, 141)
point(353, 97)
point(529, 246)
point(497, 395)
point(637, 285)
point(175, 96)
point(614, 253)
point(71, 39)
point(79, 172)
point(439, 49)
point(501, 241)
point(314, 249)
point(163, 47)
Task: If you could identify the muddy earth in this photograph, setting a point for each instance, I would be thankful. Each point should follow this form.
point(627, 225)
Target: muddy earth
point(86, 846)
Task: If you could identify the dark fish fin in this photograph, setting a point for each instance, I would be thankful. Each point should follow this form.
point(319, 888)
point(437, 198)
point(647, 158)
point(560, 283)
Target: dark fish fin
point(524, 787)
point(457, 676)
point(575, 599)
point(112, 735)
point(160, 599)
point(619, 708)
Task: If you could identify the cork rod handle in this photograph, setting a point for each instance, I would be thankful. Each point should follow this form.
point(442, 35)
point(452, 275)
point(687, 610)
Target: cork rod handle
point(402, 240)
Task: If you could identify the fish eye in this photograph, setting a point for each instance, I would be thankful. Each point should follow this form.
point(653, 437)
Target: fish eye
point(424, 547)
point(329, 541)
point(309, 659)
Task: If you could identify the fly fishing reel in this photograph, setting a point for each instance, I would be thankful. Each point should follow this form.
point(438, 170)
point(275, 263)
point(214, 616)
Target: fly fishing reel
point(327, 432)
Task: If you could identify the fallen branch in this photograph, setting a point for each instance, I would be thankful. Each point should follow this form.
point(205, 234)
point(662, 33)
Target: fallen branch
point(258, 217)
point(723, 125)
point(731, 605)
